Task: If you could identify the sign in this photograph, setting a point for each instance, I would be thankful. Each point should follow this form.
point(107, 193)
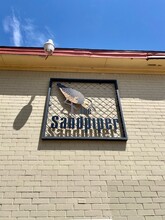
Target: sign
point(83, 109)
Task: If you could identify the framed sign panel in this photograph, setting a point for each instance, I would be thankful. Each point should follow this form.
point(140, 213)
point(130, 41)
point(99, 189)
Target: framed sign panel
point(83, 109)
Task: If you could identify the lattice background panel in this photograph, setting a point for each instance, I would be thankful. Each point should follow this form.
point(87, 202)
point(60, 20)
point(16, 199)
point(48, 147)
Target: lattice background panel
point(98, 117)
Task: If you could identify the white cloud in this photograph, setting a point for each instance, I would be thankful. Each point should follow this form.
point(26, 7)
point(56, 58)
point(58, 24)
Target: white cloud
point(12, 25)
point(33, 36)
point(25, 32)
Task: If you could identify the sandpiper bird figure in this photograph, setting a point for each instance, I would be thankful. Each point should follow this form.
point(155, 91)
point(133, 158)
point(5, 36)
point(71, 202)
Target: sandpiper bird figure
point(74, 97)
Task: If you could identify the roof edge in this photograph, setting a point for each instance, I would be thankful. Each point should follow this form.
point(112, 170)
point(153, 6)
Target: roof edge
point(39, 51)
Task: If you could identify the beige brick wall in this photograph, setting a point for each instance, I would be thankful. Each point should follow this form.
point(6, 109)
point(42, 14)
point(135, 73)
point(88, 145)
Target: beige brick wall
point(42, 180)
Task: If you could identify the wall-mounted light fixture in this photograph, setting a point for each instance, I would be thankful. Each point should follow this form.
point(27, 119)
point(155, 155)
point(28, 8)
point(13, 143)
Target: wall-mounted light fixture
point(49, 48)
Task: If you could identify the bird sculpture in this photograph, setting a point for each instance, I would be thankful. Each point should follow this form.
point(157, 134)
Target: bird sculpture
point(74, 97)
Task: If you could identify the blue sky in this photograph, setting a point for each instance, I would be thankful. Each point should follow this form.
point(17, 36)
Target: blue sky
point(90, 24)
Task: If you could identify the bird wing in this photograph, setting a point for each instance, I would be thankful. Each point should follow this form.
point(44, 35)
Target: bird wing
point(73, 95)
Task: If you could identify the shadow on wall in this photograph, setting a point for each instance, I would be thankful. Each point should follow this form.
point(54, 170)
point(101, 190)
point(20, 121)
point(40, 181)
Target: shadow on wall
point(81, 145)
point(23, 115)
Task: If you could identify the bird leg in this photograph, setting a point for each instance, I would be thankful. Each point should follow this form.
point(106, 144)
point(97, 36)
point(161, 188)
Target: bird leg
point(72, 106)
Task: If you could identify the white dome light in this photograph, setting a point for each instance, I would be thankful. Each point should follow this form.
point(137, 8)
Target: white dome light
point(49, 47)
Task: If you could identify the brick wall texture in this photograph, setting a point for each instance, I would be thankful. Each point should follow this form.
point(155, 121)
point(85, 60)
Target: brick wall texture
point(42, 180)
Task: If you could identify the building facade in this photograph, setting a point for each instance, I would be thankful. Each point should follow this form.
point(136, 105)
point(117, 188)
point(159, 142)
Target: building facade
point(81, 178)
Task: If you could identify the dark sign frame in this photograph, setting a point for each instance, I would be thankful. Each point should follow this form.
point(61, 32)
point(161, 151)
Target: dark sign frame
point(119, 109)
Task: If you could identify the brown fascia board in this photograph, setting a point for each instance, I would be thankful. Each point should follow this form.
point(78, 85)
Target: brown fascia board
point(39, 51)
